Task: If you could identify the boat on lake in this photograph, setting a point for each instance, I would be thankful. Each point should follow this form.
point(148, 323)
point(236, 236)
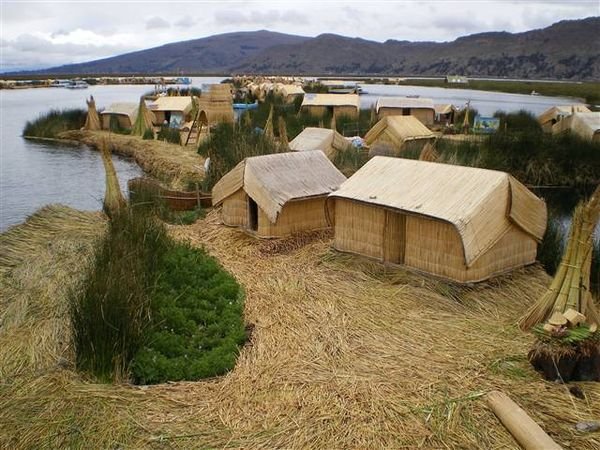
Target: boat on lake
point(245, 106)
point(77, 84)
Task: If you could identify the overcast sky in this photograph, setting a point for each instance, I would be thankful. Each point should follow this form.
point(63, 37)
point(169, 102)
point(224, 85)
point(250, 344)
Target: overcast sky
point(49, 33)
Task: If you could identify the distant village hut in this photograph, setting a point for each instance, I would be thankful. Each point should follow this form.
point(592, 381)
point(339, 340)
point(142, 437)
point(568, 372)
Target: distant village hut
point(328, 141)
point(215, 105)
point(456, 79)
point(555, 114)
point(421, 108)
point(173, 111)
point(289, 92)
point(394, 135)
point(445, 114)
point(277, 195)
point(460, 223)
point(586, 125)
point(338, 105)
point(121, 114)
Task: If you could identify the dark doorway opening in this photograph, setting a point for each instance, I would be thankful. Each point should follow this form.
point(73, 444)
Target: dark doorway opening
point(252, 215)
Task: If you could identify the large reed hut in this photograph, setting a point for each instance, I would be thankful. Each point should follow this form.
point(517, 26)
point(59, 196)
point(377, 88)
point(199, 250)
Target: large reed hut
point(421, 108)
point(555, 114)
point(332, 104)
point(215, 105)
point(460, 223)
point(393, 135)
point(585, 125)
point(174, 111)
point(123, 114)
point(328, 141)
point(277, 195)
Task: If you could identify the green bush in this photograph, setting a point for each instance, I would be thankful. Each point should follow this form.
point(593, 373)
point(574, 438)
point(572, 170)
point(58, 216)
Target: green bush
point(148, 135)
point(197, 324)
point(50, 124)
point(169, 135)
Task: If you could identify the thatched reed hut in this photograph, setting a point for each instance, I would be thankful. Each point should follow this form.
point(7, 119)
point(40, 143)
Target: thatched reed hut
point(277, 195)
point(555, 114)
point(585, 125)
point(123, 113)
point(328, 141)
point(332, 104)
point(460, 223)
point(289, 92)
point(215, 105)
point(174, 111)
point(444, 114)
point(393, 135)
point(421, 108)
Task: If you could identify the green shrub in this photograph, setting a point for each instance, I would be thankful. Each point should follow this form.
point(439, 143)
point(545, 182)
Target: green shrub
point(50, 124)
point(148, 135)
point(169, 135)
point(197, 324)
point(552, 246)
point(519, 121)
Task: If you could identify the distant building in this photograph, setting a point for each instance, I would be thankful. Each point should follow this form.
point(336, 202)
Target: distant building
point(175, 111)
point(421, 108)
point(585, 125)
point(393, 135)
point(555, 114)
point(444, 114)
point(456, 79)
point(328, 141)
point(332, 104)
point(289, 92)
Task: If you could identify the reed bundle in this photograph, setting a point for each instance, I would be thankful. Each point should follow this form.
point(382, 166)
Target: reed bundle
point(570, 288)
point(144, 120)
point(429, 153)
point(92, 120)
point(283, 138)
point(113, 197)
point(268, 129)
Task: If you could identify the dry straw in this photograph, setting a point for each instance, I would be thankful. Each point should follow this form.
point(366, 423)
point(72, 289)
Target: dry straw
point(345, 353)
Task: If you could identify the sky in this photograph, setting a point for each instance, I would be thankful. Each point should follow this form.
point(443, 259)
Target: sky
point(38, 34)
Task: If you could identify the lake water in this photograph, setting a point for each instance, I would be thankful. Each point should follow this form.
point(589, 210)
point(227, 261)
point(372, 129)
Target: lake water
point(34, 174)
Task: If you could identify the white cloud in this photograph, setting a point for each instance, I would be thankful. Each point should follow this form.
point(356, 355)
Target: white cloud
point(156, 22)
point(185, 22)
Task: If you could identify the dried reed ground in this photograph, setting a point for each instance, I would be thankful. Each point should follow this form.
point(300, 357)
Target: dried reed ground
point(344, 355)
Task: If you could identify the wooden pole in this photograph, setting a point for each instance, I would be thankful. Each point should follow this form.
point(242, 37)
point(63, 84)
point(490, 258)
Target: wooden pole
point(525, 431)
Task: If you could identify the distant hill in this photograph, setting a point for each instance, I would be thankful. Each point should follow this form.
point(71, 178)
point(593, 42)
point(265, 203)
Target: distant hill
point(214, 54)
point(565, 50)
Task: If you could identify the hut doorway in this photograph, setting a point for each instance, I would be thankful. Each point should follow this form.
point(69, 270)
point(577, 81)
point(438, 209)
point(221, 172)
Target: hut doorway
point(252, 215)
point(394, 237)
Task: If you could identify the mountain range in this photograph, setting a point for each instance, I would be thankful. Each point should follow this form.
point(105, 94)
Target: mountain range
point(567, 50)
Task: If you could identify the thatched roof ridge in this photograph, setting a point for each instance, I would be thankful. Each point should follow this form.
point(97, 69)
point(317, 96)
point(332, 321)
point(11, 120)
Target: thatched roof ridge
point(166, 103)
point(444, 108)
point(273, 180)
point(123, 108)
point(404, 102)
point(331, 100)
point(399, 128)
point(482, 204)
point(314, 138)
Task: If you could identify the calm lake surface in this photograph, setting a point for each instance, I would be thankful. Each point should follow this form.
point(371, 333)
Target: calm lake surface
point(34, 174)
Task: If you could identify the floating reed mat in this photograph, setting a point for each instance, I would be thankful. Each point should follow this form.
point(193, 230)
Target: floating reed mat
point(345, 353)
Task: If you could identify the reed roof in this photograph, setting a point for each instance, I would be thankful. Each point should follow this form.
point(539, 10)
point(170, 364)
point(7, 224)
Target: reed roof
point(561, 110)
point(290, 89)
point(482, 204)
point(312, 138)
point(399, 129)
point(586, 125)
point(273, 180)
point(331, 100)
point(444, 109)
point(176, 103)
point(404, 102)
point(124, 108)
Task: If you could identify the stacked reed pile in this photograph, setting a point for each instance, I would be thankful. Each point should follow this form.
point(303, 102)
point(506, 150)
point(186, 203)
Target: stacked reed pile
point(92, 120)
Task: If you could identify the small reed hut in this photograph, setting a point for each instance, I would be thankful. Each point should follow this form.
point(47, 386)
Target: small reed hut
point(459, 223)
point(215, 105)
point(584, 125)
point(289, 92)
point(124, 114)
point(328, 141)
point(555, 114)
point(319, 105)
point(444, 114)
point(277, 195)
point(393, 135)
point(173, 111)
point(421, 108)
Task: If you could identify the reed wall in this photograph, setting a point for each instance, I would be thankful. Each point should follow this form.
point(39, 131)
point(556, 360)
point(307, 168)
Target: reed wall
point(235, 209)
point(295, 217)
point(426, 116)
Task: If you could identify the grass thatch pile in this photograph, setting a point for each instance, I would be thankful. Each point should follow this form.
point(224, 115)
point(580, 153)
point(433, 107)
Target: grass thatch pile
point(344, 354)
point(176, 166)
